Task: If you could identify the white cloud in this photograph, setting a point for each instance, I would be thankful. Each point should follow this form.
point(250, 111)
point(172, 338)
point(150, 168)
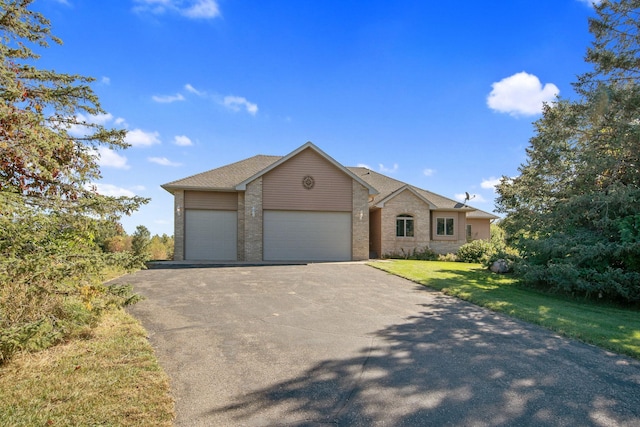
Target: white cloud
point(429, 172)
point(168, 99)
point(105, 80)
point(196, 9)
point(520, 94)
point(490, 184)
point(111, 190)
point(385, 169)
point(80, 130)
point(182, 140)
point(202, 9)
point(193, 90)
point(109, 158)
point(77, 131)
point(163, 161)
point(236, 103)
point(362, 165)
point(101, 119)
point(152, 6)
point(140, 138)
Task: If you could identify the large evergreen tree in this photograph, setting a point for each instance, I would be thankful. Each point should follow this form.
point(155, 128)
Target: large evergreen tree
point(49, 212)
point(574, 210)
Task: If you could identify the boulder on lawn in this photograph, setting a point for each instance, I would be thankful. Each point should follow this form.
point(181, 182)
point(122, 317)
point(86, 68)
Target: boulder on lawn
point(500, 266)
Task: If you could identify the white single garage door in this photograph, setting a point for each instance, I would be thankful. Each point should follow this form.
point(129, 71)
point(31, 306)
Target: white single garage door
point(211, 235)
point(307, 236)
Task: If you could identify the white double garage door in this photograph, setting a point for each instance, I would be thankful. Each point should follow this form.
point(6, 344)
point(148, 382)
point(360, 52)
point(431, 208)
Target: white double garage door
point(287, 235)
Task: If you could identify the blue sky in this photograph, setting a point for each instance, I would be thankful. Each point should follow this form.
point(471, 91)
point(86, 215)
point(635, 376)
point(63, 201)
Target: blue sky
point(441, 95)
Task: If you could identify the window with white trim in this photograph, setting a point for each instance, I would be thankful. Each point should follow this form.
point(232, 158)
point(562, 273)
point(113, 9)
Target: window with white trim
point(404, 226)
point(445, 226)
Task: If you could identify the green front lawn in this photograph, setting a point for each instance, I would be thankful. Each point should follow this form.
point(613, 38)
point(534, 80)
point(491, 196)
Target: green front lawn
point(606, 326)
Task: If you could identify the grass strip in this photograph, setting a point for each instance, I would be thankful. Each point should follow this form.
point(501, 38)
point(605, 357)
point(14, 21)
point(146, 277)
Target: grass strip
point(109, 379)
point(610, 327)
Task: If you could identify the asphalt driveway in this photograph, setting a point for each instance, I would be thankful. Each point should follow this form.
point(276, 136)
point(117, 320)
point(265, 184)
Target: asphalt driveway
point(345, 344)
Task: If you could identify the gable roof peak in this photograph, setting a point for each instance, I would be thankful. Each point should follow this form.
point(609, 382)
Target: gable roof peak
point(308, 145)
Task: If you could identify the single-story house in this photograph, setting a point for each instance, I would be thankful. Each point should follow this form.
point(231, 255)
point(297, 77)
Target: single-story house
point(306, 206)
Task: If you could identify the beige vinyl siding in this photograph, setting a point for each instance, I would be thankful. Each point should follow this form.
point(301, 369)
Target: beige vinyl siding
point(282, 187)
point(480, 228)
point(222, 201)
point(462, 226)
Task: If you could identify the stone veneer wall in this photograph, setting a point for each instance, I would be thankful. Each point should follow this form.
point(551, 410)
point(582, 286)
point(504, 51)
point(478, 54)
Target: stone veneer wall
point(241, 225)
point(253, 234)
point(404, 203)
point(446, 247)
point(359, 225)
point(178, 225)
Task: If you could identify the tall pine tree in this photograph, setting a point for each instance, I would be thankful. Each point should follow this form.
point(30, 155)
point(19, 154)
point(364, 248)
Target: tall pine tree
point(49, 212)
point(574, 210)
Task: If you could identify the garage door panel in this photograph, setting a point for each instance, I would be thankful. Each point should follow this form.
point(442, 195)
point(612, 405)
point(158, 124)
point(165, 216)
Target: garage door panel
point(211, 235)
point(307, 236)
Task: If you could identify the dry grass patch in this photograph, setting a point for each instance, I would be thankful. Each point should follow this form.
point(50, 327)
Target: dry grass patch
point(109, 379)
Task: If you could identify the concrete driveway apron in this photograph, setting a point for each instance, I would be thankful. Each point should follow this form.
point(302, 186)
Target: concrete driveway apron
point(345, 344)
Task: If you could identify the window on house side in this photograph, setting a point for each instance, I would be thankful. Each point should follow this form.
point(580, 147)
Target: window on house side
point(444, 227)
point(404, 226)
point(469, 232)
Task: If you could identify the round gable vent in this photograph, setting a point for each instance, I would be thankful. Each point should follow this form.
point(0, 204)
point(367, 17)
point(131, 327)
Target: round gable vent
point(308, 182)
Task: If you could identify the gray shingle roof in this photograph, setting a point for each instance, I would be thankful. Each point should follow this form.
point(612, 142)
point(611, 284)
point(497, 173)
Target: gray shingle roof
point(226, 178)
point(481, 215)
point(384, 184)
point(387, 186)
